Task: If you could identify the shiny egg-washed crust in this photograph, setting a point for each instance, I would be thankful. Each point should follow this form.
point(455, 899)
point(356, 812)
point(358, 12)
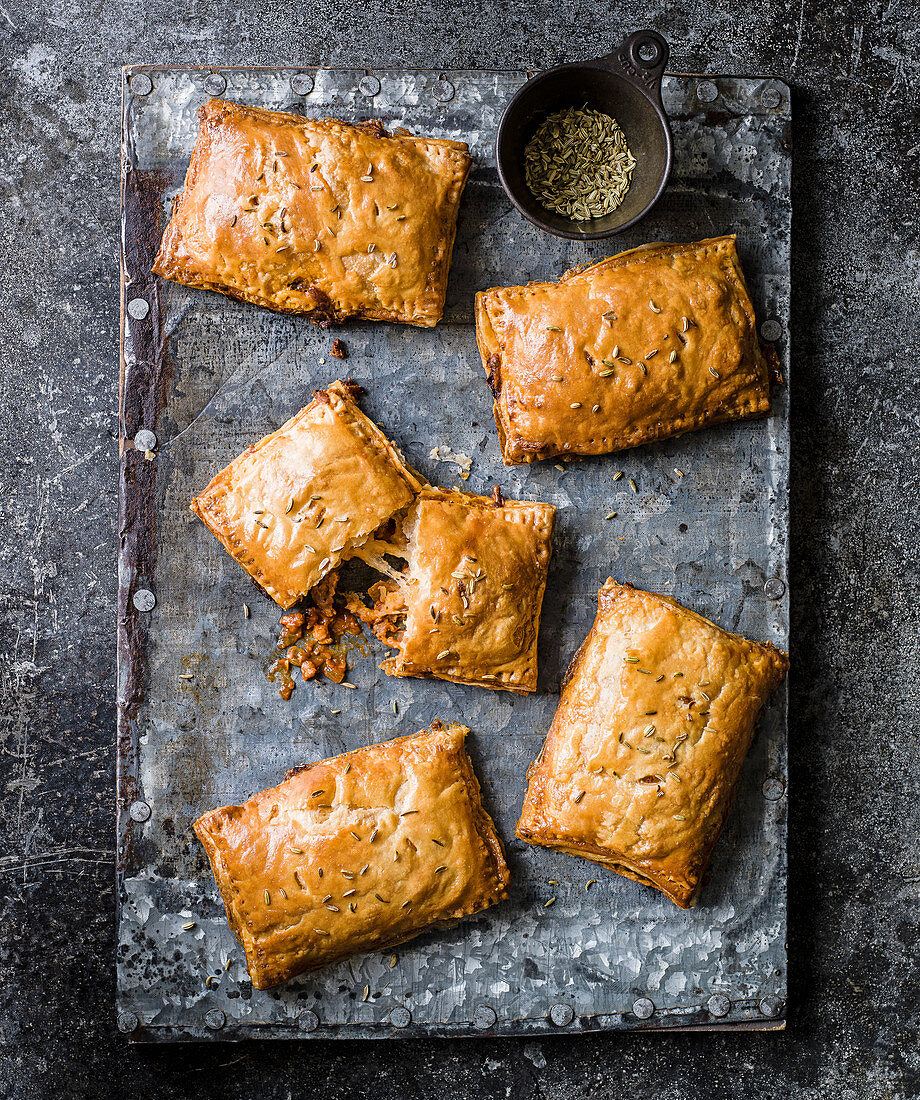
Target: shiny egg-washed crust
point(678, 349)
point(295, 504)
point(642, 761)
point(474, 589)
point(317, 216)
point(357, 853)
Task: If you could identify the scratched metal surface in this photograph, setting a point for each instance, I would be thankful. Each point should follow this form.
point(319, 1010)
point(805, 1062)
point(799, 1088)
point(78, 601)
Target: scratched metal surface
point(210, 376)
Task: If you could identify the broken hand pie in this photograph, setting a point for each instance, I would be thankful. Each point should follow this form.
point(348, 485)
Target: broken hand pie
point(317, 216)
point(467, 607)
point(357, 853)
point(302, 500)
point(648, 344)
point(642, 761)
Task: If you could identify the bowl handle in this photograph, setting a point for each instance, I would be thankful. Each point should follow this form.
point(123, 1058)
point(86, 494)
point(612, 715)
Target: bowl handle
point(644, 72)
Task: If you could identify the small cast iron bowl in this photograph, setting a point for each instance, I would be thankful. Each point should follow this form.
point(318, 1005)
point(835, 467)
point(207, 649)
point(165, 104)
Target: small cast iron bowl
point(625, 84)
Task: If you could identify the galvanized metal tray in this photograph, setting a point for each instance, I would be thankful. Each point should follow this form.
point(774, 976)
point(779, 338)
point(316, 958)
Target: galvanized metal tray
point(199, 726)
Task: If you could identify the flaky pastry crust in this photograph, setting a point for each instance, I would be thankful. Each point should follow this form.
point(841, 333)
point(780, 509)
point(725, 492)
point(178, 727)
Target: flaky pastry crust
point(651, 343)
point(297, 503)
point(357, 853)
point(642, 761)
point(473, 590)
point(317, 216)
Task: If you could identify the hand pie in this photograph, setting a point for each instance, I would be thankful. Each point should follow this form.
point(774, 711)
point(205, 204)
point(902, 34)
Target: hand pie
point(317, 216)
point(648, 344)
point(467, 608)
point(642, 761)
point(357, 853)
point(303, 499)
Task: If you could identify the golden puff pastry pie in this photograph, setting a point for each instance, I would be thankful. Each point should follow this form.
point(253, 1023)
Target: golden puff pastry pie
point(648, 344)
point(357, 853)
point(642, 761)
point(467, 607)
point(303, 499)
point(317, 216)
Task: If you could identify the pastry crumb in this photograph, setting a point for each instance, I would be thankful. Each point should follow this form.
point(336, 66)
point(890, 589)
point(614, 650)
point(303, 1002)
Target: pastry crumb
point(461, 461)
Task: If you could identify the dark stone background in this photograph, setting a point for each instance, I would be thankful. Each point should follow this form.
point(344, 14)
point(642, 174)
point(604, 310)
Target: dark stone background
point(855, 821)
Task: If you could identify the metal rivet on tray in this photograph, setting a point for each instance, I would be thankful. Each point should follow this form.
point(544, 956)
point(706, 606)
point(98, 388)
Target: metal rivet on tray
point(718, 1004)
point(140, 84)
point(138, 308)
point(215, 84)
point(771, 1006)
point(139, 811)
point(443, 91)
point(706, 91)
point(145, 440)
point(562, 1014)
point(642, 1008)
point(369, 85)
point(400, 1017)
point(301, 83)
point(770, 98)
point(308, 1020)
point(215, 1019)
point(773, 788)
point(774, 588)
point(771, 330)
point(144, 600)
point(127, 1022)
point(484, 1018)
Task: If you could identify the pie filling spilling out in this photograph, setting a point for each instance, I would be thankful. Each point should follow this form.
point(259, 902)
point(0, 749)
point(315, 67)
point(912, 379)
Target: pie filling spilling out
point(641, 763)
point(314, 639)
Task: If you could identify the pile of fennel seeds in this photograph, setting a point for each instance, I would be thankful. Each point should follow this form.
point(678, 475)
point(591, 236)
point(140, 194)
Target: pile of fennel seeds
point(578, 163)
